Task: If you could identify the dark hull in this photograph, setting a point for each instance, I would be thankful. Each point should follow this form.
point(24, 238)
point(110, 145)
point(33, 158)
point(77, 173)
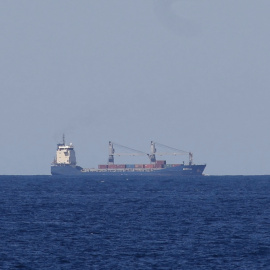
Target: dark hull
point(69, 170)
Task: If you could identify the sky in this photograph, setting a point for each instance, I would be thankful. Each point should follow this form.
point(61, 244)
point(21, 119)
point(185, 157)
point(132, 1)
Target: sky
point(193, 75)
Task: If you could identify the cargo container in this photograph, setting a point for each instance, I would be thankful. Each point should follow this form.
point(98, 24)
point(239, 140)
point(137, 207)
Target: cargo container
point(159, 166)
point(149, 165)
point(161, 162)
point(102, 166)
point(112, 166)
point(120, 166)
point(138, 165)
point(130, 166)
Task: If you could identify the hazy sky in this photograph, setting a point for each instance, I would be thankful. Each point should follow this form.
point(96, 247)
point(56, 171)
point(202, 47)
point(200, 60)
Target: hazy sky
point(192, 74)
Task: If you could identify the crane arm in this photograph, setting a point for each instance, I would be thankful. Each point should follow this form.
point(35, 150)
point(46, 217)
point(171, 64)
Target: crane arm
point(135, 152)
point(175, 152)
point(130, 154)
point(170, 153)
point(173, 149)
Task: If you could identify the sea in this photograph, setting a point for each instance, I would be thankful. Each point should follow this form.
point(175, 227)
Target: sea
point(207, 222)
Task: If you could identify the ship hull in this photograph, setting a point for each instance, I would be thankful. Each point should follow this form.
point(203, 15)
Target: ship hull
point(182, 170)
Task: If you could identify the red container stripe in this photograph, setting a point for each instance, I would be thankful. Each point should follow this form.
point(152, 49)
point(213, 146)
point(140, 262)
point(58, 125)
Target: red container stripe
point(102, 166)
point(112, 166)
point(149, 166)
point(138, 165)
point(161, 162)
point(120, 166)
point(159, 166)
point(117, 166)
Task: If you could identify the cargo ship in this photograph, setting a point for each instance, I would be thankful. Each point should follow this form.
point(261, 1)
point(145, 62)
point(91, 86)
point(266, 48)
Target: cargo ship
point(65, 163)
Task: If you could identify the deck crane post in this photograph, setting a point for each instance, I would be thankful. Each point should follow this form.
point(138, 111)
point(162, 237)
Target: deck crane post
point(152, 156)
point(111, 153)
point(190, 158)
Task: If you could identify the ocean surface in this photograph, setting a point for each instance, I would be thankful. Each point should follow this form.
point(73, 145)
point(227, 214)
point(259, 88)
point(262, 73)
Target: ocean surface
point(211, 222)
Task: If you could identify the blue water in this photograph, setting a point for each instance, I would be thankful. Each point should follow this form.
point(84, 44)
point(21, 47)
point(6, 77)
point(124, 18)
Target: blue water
point(137, 223)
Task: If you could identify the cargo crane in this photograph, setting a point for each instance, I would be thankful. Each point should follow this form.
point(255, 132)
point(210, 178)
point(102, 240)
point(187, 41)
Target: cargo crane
point(112, 152)
point(174, 153)
point(151, 156)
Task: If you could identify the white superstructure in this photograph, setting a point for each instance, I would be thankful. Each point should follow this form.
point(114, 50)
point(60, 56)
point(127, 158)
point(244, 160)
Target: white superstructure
point(65, 154)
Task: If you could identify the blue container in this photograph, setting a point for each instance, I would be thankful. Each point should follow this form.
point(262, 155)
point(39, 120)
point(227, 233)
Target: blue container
point(130, 166)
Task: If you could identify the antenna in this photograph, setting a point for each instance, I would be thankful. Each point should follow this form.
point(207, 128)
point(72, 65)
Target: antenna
point(64, 143)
